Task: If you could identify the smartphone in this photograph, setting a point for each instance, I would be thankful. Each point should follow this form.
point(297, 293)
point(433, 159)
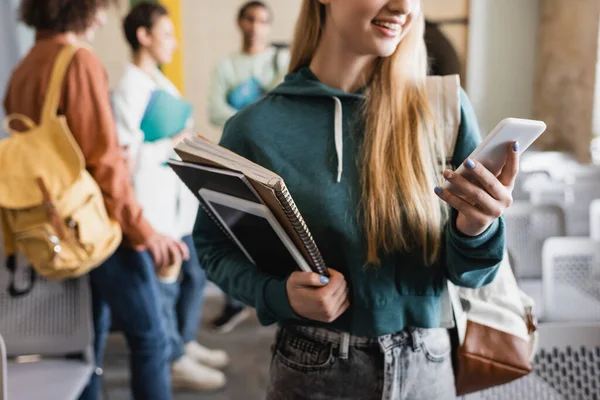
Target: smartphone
point(491, 152)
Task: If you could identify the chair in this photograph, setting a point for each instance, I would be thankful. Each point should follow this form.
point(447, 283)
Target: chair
point(582, 173)
point(552, 162)
point(3, 395)
point(525, 179)
point(583, 193)
point(595, 219)
point(575, 198)
point(571, 279)
point(566, 367)
point(527, 227)
point(50, 322)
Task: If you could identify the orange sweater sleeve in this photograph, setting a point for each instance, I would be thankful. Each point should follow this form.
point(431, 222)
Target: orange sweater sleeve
point(86, 105)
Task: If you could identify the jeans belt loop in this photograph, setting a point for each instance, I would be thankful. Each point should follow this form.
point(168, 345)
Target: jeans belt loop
point(344, 345)
point(416, 337)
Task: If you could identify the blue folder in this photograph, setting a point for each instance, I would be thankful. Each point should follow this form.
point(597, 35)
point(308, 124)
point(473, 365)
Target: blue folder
point(166, 115)
point(245, 94)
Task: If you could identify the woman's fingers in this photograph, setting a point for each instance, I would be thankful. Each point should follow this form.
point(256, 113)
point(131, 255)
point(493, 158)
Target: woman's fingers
point(477, 173)
point(511, 166)
point(462, 206)
point(473, 194)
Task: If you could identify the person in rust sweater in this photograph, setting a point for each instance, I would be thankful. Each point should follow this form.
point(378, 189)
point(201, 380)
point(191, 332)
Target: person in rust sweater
point(125, 285)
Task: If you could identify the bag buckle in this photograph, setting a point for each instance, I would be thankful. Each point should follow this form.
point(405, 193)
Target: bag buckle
point(530, 320)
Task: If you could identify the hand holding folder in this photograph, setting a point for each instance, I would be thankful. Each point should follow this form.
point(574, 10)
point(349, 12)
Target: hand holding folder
point(165, 116)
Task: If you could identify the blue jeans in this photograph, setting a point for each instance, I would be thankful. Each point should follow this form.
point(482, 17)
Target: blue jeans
point(414, 364)
point(126, 286)
point(182, 303)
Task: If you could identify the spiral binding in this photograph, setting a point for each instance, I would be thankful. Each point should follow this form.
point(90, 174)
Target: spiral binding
point(293, 214)
point(216, 221)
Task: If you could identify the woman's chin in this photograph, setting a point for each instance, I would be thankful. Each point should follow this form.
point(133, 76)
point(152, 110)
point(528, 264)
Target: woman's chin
point(384, 51)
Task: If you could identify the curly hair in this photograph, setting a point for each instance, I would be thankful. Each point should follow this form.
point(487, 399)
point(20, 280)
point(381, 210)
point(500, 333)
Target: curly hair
point(61, 15)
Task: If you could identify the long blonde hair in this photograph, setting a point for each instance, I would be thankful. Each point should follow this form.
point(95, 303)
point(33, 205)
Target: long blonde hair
point(400, 161)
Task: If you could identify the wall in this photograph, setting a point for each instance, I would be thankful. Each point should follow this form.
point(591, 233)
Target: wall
point(15, 41)
point(110, 43)
point(501, 59)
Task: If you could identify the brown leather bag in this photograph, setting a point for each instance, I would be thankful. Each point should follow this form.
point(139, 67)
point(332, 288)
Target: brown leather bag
point(496, 333)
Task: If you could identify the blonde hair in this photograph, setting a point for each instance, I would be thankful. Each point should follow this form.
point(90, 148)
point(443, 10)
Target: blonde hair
point(402, 150)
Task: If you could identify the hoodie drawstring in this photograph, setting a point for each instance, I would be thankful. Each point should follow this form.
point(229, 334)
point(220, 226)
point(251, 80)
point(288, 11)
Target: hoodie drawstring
point(339, 138)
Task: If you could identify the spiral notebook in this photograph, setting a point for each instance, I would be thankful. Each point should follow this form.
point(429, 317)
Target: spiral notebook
point(269, 188)
point(231, 202)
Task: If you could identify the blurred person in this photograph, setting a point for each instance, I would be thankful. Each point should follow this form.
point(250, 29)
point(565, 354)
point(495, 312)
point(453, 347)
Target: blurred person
point(124, 285)
point(244, 77)
point(167, 203)
point(238, 81)
point(351, 133)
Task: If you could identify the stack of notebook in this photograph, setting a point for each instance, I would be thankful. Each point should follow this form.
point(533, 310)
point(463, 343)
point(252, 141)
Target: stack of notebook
point(242, 197)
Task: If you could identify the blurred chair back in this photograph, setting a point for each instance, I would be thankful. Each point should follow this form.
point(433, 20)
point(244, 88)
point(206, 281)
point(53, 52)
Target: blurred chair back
point(571, 279)
point(595, 220)
point(3, 395)
point(525, 179)
point(50, 322)
point(527, 227)
point(574, 198)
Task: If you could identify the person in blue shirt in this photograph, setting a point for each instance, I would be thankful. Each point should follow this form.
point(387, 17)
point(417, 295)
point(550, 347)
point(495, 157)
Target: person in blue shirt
point(240, 80)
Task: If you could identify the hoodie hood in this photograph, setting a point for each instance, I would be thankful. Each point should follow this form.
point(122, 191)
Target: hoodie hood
point(305, 83)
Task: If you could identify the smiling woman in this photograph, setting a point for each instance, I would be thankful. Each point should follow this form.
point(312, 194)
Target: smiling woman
point(351, 132)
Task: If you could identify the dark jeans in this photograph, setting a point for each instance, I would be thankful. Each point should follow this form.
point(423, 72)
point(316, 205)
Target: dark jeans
point(182, 303)
point(319, 364)
point(126, 286)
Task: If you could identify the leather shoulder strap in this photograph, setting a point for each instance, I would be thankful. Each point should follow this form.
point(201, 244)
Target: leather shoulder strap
point(444, 101)
point(56, 80)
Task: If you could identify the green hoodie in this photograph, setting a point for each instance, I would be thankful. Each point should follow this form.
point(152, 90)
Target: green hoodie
point(310, 135)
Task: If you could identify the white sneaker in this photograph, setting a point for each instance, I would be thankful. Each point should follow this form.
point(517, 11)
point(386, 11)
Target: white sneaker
point(186, 374)
point(211, 358)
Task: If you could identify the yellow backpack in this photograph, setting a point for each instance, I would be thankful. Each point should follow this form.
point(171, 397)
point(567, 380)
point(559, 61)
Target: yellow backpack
point(51, 208)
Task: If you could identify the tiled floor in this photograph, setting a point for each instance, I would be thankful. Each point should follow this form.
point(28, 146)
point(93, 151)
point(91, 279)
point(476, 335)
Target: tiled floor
point(248, 346)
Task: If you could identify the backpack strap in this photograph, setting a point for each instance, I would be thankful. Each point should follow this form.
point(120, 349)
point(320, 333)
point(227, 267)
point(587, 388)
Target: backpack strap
point(55, 86)
point(11, 265)
point(444, 102)
point(11, 261)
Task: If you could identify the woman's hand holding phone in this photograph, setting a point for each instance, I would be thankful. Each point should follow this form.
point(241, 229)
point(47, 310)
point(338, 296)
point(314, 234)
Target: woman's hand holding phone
point(479, 196)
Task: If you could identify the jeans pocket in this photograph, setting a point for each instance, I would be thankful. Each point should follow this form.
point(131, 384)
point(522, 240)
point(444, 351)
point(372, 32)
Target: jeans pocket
point(436, 344)
point(302, 353)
